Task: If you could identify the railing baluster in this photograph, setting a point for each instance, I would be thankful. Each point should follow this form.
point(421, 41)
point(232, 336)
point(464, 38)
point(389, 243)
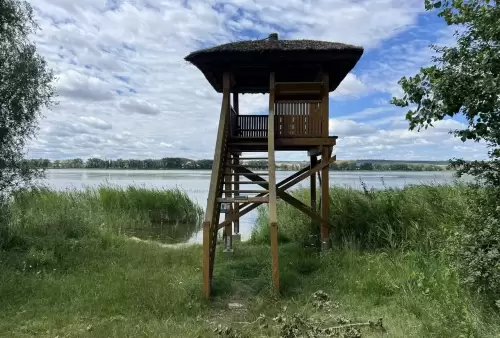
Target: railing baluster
point(292, 119)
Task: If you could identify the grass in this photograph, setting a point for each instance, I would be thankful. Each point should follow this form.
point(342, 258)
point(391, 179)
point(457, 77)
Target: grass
point(44, 213)
point(414, 217)
point(98, 283)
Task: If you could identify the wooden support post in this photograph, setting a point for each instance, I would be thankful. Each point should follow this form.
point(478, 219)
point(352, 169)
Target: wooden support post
point(314, 224)
point(273, 218)
point(207, 240)
point(237, 235)
point(325, 158)
point(228, 229)
point(325, 191)
point(325, 106)
point(210, 224)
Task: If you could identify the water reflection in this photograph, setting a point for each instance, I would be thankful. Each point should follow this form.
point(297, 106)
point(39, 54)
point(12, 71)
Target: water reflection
point(166, 233)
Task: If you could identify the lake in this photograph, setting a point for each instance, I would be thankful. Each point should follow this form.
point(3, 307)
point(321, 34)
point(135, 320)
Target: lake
point(196, 183)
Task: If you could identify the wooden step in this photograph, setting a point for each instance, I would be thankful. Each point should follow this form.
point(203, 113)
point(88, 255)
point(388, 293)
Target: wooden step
point(247, 166)
point(236, 144)
point(248, 182)
point(246, 174)
point(243, 199)
point(246, 191)
point(253, 158)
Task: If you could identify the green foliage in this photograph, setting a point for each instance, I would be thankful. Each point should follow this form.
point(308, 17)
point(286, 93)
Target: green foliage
point(477, 247)
point(170, 206)
point(67, 273)
point(409, 218)
point(25, 88)
point(463, 81)
point(184, 163)
point(45, 218)
point(415, 293)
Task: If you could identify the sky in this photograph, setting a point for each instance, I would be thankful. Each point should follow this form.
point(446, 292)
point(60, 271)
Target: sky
point(125, 90)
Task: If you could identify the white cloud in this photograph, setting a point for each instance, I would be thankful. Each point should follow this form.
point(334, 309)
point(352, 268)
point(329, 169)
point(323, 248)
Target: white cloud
point(96, 122)
point(359, 141)
point(139, 106)
point(75, 85)
point(125, 90)
point(346, 128)
point(350, 86)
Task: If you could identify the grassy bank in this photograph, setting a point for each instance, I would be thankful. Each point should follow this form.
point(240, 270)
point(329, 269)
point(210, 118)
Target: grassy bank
point(416, 217)
point(45, 213)
point(101, 284)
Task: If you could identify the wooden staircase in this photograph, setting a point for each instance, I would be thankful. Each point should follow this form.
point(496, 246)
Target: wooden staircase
point(235, 190)
point(225, 187)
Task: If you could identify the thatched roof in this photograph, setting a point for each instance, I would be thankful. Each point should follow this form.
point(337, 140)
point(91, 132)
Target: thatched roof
point(293, 60)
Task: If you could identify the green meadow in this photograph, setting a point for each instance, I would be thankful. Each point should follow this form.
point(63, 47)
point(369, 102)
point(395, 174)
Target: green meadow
point(72, 267)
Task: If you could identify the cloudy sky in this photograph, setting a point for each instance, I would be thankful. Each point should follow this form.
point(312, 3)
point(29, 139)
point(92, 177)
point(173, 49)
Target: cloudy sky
point(125, 90)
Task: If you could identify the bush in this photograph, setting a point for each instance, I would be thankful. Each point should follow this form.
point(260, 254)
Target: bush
point(476, 247)
point(4, 221)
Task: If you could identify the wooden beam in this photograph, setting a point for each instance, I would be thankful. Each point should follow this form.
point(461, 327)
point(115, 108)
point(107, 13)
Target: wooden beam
point(298, 88)
point(207, 240)
point(251, 199)
point(211, 213)
point(242, 212)
point(314, 152)
point(314, 161)
point(325, 105)
point(273, 217)
point(228, 229)
point(285, 196)
point(236, 105)
point(325, 193)
point(290, 199)
point(247, 207)
point(322, 164)
point(236, 161)
point(251, 176)
point(300, 206)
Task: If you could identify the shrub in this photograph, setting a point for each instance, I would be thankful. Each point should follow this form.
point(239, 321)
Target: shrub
point(4, 221)
point(476, 247)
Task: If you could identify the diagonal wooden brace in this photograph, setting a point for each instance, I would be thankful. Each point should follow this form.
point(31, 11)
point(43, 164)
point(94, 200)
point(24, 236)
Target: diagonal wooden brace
point(297, 177)
point(302, 207)
point(251, 206)
point(232, 217)
point(308, 173)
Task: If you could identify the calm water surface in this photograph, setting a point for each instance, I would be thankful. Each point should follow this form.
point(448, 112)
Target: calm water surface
point(196, 184)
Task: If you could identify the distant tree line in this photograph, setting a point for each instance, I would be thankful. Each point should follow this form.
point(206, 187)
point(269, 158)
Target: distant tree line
point(185, 163)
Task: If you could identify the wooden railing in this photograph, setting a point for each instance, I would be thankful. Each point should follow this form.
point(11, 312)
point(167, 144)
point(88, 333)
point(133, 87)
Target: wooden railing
point(298, 119)
point(252, 126)
point(292, 119)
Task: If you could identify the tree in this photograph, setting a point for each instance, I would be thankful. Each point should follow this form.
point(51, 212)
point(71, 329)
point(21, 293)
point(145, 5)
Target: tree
point(366, 166)
point(25, 88)
point(463, 80)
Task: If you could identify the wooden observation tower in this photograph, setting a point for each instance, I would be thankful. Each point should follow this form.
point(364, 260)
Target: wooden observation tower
point(298, 75)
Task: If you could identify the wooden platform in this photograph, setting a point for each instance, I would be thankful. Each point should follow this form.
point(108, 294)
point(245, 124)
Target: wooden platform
point(245, 144)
